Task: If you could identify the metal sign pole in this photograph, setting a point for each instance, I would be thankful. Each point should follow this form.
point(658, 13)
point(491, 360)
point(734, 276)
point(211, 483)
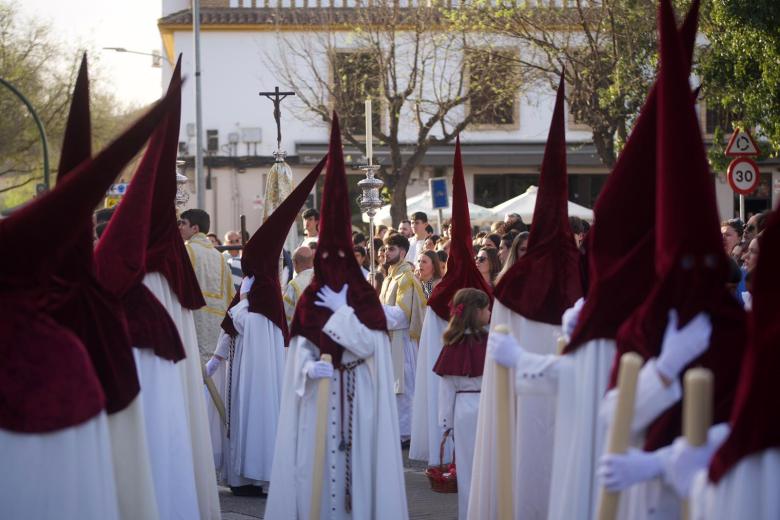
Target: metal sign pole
point(742, 208)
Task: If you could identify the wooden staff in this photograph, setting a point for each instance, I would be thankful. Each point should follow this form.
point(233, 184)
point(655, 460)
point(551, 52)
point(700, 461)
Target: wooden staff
point(218, 403)
point(320, 437)
point(620, 429)
point(503, 442)
point(697, 412)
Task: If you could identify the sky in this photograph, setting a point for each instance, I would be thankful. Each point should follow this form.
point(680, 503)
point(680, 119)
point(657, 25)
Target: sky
point(95, 24)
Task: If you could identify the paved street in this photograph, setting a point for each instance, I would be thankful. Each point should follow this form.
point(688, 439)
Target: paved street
point(424, 504)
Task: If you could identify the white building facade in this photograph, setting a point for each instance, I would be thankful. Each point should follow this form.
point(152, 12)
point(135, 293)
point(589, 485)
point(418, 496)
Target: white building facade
point(239, 39)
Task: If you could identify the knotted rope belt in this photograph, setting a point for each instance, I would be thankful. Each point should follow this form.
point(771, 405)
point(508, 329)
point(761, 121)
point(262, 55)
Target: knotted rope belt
point(232, 353)
point(347, 371)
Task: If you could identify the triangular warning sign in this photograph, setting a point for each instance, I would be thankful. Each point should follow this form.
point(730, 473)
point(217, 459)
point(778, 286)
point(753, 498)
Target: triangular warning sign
point(742, 144)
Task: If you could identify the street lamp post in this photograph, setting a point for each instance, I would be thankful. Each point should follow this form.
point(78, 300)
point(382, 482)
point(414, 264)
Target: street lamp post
point(155, 55)
point(41, 131)
point(200, 183)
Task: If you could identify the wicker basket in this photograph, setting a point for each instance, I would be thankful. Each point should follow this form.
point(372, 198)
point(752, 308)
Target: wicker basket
point(444, 477)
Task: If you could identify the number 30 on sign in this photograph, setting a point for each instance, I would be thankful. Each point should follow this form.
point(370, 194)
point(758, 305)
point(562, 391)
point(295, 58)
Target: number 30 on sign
point(743, 175)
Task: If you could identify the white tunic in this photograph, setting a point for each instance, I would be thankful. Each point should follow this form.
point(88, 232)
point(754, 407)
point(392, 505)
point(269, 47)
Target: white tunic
point(426, 432)
point(62, 475)
point(132, 470)
point(377, 483)
point(532, 431)
point(750, 490)
point(194, 395)
point(167, 434)
point(458, 409)
point(580, 381)
point(398, 321)
point(255, 397)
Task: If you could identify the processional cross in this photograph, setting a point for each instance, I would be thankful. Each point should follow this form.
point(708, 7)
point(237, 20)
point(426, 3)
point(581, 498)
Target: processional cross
point(276, 98)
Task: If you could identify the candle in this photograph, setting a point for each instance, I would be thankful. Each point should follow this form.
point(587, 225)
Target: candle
point(620, 429)
point(369, 132)
point(697, 414)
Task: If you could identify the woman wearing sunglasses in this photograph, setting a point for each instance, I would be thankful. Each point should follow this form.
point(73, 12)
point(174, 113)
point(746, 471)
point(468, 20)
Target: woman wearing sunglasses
point(488, 264)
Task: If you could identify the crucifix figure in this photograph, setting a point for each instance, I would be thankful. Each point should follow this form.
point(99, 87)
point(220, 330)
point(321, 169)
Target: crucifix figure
point(276, 97)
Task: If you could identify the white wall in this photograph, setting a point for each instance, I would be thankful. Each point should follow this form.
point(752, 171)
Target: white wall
point(235, 68)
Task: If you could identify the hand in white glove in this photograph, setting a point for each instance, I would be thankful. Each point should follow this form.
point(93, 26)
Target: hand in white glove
point(504, 349)
point(620, 471)
point(685, 461)
point(681, 346)
point(212, 365)
point(327, 297)
point(570, 317)
point(246, 285)
point(320, 369)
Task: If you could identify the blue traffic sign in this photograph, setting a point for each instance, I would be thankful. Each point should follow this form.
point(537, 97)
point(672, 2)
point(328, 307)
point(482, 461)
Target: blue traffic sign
point(439, 196)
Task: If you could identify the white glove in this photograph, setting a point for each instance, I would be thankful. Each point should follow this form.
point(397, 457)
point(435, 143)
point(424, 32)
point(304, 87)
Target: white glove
point(685, 461)
point(682, 346)
point(570, 317)
point(246, 285)
point(327, 297)
point(319, 370)
point(504, 349)
point(212, 365)
point(620, 471)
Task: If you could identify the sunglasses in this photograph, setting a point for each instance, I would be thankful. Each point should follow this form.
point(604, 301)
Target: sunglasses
point(750, 228)
point(480, 259)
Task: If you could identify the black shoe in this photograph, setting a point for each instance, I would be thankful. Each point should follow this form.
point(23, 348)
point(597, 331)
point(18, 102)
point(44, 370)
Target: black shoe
point(247, 491)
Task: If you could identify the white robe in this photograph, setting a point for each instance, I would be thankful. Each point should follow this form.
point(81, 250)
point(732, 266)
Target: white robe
point(168, 435)
point(377, 490)
point(532, 431)
point(458, 409)
point(579, 380)
point(62, 475)
point(132, 469)
point(426, 432)
point(398, 321)
point(255, 397)
point(195, 404)
point(750, 490)
point(654, 498)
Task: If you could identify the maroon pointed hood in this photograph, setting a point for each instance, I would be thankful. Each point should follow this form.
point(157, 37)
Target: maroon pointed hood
point(120, 256)
point(461, 270)
point(622, 244)
point(691, 266)
point(334, 262)
point(75, 298)
point(260, 257)
point(166, 253)
point(755, 423)
point(545, 281)
point(47, 382)
point(77, 147)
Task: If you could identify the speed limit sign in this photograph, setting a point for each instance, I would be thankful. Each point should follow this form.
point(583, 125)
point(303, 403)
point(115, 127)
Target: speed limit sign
point(743, 175)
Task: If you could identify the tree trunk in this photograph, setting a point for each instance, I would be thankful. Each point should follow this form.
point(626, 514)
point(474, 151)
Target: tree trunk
point(604, 142)
point(398, 200)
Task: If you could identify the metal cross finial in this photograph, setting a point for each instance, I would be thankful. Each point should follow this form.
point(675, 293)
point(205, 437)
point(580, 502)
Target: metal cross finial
point(276, 97)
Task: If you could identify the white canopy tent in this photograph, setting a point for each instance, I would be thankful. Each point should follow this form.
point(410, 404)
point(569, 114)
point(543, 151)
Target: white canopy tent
point(422, 202)
point(525, 203)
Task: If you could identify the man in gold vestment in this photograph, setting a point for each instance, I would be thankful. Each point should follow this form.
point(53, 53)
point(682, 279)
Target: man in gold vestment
point(214, 278)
